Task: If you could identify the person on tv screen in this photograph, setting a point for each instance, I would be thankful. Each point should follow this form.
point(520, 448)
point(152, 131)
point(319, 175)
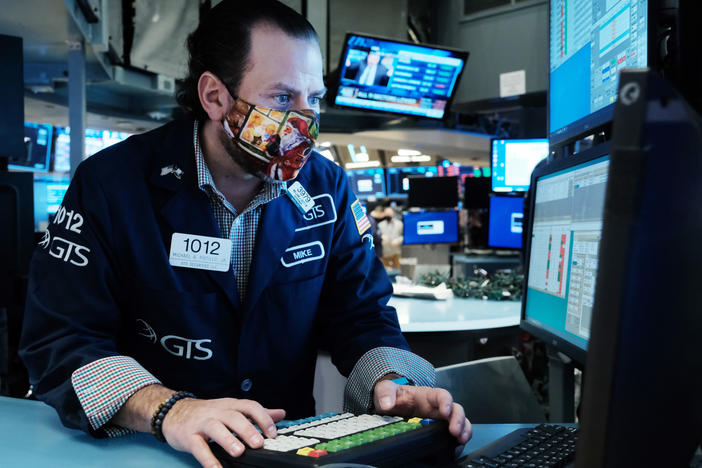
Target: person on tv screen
point(193, 272)
point(369, 72)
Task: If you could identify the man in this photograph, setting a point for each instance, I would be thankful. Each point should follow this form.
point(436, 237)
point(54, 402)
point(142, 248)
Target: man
point(368, 72)
point(392, 231)
point(215, 255)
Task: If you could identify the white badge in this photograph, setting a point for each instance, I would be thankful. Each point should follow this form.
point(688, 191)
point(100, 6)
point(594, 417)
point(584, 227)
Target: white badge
point(300, 197)
point(201, 252)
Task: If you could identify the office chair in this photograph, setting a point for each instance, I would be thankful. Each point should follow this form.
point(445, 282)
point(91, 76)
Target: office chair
point(492, 390)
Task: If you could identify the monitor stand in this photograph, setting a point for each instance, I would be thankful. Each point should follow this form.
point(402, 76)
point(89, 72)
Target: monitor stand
point(561, 387)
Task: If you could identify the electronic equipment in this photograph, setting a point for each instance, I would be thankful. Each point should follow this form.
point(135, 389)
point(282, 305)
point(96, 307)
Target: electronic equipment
point(398, 178)
point(505, 222)
point(367, 183)
point(476, 194)
point(332, 438)
point(95, 140)
point(37, 146)
point(645, 346)
point(62, 150)
point(513, 161)
point(49, 191)
point(566, 201)
point(388, 75)
point(433, 192)
point(430, 227)
point(551, 445)
point(11, 99)
point(591, 41)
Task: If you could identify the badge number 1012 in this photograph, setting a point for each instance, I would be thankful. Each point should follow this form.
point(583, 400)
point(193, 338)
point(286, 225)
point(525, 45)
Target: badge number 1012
point(201, 252)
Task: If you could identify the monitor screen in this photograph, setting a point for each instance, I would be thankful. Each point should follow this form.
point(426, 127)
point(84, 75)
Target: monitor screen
point(563, 255)
point(48, 196)
point(430, 227)
point(37, 145)
point(62, 150)
point(590, 42)
point(433, 192)
point(391, 76)
point(398, 178)
point(477, 193)
point(95, 140)
point(513, 161)
point(367, 183)
point(505, 226)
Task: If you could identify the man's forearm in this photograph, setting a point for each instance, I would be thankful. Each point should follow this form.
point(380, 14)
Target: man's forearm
point(137, 411)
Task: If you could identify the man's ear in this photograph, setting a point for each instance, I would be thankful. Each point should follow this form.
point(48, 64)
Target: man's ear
point(214, 97)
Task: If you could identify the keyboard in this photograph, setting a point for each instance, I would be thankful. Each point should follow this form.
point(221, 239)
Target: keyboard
point(348, 438)
point(546, 445)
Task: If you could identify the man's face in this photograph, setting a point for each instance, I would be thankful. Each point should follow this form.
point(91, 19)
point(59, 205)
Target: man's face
point(282, 73)
point(373, 58)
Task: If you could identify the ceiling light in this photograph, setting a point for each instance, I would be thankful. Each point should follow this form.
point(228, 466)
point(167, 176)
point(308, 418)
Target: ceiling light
point(400, 159)
point(408, 152)
point(359, 165)
point(361, 157)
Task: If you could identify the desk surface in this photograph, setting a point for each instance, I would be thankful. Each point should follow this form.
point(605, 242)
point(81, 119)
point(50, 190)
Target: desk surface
point(454, 314)
point(32, 435)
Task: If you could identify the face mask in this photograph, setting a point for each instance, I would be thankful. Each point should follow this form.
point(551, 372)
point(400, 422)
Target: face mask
point(276, 142)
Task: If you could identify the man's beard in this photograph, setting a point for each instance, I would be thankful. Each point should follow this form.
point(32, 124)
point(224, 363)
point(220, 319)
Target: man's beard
point(241, 159)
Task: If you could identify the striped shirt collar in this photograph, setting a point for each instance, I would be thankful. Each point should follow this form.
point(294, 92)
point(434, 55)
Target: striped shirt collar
point(269, 191)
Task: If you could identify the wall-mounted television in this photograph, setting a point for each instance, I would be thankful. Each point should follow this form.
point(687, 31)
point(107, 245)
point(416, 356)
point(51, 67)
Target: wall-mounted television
point(430, 227)
point(513, 161)
point(367, 183)
point(398, 178)
point(506, 222)
point(387, 75)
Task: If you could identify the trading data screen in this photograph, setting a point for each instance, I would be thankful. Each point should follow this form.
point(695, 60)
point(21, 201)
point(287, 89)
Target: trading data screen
point(385, 75)
point(565, 239)
point(506, 217)
point(49, 191)
point(590, 42)
point(37, 145)
point(367, 183)
point(513, 162)
point(398, 178)
point(430, 227)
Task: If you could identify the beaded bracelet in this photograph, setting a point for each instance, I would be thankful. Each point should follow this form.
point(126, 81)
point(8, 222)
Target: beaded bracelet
point(162, 410)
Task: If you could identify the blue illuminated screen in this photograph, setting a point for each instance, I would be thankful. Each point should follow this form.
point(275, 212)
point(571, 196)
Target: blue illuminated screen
point(37, 146)
point(95, 140)
point(49, 191)
point(367, 183)
point(506, 218)
point(565, 238)
point(513, 162)
point(590, 42)
point(398, 178)
point(430, 227)
point(385, 75)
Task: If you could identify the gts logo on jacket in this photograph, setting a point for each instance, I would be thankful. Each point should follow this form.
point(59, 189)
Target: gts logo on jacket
point(177, 345)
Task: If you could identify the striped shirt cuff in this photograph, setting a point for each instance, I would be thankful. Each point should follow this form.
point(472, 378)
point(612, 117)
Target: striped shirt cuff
point(104, 385)
point(358, 394)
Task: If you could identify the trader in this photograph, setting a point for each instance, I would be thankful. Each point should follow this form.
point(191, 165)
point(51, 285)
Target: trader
point(192, 272)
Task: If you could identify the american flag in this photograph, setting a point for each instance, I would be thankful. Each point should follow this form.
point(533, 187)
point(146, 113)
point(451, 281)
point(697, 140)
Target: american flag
point(359, 216)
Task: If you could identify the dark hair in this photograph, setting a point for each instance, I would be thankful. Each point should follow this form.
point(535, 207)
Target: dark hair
point(222, 41)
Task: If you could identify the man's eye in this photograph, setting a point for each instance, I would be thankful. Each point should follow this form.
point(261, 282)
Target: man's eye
point(314, 100)
point(282, 99)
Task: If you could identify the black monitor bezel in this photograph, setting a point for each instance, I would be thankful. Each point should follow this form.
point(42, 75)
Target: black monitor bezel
point(434, 207)
point(334, 88)
point(601, 119)
point(366, 197)
point(492, 169)
point(492, 195)
point(559, 343)
point(404, 227)
point(403, 195)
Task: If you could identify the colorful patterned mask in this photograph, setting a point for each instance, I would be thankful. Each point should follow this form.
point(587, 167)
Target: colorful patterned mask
point(276, 142)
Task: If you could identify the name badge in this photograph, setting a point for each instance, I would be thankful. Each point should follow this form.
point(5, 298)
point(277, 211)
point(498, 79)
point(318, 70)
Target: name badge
point(300, 197)
point(200, 252)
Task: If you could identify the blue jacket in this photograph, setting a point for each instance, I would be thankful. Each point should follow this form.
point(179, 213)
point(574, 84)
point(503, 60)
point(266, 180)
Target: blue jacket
point(101, 284)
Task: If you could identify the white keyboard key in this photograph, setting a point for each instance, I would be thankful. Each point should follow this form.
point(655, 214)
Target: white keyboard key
point(290, 429)
point(284, 443)
point(347, 426)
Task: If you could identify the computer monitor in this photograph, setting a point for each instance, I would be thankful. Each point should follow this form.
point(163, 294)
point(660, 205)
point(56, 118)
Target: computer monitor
point(642, 400)
point(591, 41)
point(388, 75)
point(97, 140)
point(398, 178)
point(37, 145)
point(476, 194)
point(433, 192)
point(566, 202)
point(505, 222)
point(49, 190)
point(430, 227)
point(367, 183)
point(513, 161)
point(62, 150)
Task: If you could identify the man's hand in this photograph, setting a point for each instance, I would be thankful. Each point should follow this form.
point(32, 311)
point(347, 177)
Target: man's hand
point(425, 402)
point(191, 423)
